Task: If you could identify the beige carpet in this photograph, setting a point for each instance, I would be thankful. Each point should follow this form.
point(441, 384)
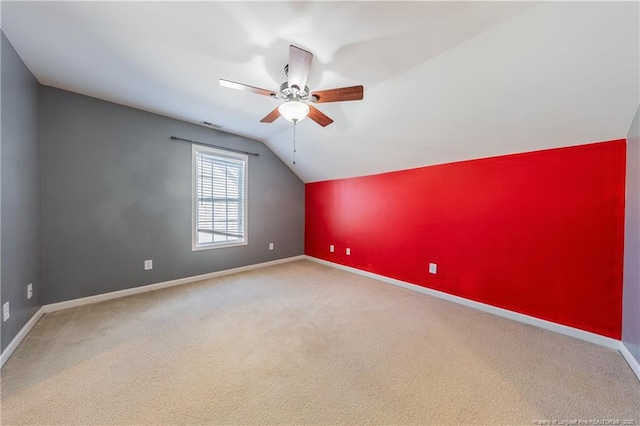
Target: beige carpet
point(301, 343)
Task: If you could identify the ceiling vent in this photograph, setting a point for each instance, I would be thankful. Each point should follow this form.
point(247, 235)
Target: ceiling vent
point(210, 124)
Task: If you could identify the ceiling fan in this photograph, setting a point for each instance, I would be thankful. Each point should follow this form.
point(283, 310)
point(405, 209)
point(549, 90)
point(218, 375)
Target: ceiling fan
point(298, 98)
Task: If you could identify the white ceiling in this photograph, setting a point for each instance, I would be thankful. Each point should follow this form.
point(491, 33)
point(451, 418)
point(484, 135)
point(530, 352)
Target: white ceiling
point(444, 81)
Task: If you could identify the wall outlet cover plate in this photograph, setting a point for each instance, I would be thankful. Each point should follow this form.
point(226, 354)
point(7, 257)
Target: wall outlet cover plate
point(5, 311)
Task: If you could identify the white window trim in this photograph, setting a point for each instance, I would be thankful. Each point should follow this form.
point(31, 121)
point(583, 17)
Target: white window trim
point(219, 153)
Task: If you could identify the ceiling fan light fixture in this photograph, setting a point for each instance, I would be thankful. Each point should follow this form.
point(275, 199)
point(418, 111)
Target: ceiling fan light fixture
point(294, 111)
point(296, 94)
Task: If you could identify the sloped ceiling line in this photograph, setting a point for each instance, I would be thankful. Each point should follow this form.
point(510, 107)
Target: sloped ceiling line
point(444, 81)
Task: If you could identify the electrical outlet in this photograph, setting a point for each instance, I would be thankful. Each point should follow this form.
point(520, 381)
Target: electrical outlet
point(5, 311)
point(348, 251)
point(270, 246)
point(331, 249)
point(433, 268)
point(148, 264)
point(30, 291)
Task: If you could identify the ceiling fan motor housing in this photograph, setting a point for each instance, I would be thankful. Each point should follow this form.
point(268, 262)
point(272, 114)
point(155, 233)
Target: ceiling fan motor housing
point(287, 92)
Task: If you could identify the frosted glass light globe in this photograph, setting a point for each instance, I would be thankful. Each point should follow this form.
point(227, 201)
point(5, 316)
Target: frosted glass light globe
point(294, 111)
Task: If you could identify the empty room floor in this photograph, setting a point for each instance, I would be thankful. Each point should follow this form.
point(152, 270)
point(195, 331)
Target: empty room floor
point(303, 343)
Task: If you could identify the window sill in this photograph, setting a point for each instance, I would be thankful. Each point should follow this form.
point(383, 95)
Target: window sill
point(217, 246)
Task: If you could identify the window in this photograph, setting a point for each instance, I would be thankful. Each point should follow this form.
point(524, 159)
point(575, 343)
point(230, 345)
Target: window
point(219, 198)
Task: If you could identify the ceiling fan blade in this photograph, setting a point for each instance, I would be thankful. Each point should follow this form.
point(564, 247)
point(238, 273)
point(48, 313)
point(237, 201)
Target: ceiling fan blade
point(319, 117)
point(271, 117)
point(299, 66)
point(246, 88)
point(353, 93)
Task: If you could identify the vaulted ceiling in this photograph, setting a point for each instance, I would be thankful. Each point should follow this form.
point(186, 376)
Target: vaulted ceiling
point(444, 81)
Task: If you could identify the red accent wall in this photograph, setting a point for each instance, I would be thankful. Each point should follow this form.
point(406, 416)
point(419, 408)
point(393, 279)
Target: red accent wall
point(539, 233)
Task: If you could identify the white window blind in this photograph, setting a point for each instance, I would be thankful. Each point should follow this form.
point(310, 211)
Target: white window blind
point(219, 198)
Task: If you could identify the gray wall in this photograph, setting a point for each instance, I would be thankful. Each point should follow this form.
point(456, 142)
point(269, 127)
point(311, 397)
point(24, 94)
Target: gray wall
point(631, 281)
point(117, 191)
point(21, 207)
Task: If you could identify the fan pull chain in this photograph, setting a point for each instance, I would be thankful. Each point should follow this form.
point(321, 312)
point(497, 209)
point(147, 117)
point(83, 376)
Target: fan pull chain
point(294, 142)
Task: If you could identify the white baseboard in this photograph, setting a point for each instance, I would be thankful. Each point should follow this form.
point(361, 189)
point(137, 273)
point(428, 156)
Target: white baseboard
point(558, 328)
point(631, 360)
point(8, 351)
point(151, 287)
point(537, 322)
